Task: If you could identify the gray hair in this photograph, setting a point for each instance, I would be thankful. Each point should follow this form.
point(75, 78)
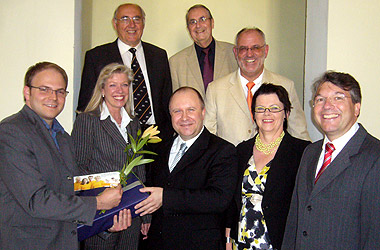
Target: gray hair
point(196, 7)
point(249, 29)
point(138, 6)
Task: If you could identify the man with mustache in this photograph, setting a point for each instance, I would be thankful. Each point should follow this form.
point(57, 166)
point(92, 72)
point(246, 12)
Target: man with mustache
point(227, 99)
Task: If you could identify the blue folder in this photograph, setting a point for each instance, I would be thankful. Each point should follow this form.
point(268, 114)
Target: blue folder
point(103, 221)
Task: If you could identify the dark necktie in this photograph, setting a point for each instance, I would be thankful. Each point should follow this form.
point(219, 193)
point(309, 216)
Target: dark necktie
point(140, 93)
point(208, 72)
point(326, 160)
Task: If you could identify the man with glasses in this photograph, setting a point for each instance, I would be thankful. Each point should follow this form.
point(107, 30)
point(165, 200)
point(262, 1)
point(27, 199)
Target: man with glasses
point(335, 204)
point(205, 60)
point(228, 99)
point(38, 207)
point(152, 82)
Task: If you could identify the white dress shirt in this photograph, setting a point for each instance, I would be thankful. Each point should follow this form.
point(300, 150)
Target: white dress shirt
point(125, 120)
point(177, 144)
point(338, 145)
point(126, 55)
point(258, 81)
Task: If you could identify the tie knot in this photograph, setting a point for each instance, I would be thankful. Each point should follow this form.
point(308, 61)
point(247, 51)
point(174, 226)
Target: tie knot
point(132, 50)
point(329, 147)
point(250, 85)
point(206, 50)
point(182, 147)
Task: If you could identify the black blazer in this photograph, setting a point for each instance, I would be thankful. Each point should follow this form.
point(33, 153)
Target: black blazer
point(157, 65)
point(279, 186)
point(196, 193)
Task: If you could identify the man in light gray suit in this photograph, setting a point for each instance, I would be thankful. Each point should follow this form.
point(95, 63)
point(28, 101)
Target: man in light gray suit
point(192, 66)
point(335, 204)
point(38, 207)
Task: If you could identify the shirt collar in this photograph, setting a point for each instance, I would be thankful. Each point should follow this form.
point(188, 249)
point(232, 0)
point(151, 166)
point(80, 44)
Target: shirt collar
point(188, 142)
point(258, 81)
point(125, 119)
point(340, 142)
point(123, 47)
point(55, 127)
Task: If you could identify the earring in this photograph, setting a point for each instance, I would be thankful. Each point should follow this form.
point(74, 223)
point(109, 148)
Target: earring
point(103, 95)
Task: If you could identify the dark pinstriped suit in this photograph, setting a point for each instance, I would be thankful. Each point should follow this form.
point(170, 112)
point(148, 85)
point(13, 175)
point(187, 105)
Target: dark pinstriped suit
point(99, 147)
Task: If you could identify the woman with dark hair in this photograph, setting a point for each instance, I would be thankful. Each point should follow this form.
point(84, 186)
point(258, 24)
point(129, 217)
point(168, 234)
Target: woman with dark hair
point(100, 136)
point(268, 165)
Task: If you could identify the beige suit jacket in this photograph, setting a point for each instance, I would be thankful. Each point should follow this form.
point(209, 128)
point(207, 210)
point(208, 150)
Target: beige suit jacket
point(185, 71)
point(227, 112)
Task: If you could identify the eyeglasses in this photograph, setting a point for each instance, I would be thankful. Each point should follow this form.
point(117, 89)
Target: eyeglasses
point(127, 19)
point(48, 91)
point(254, 49)
point(336, 99)
point(201, 20)
point(272, 109)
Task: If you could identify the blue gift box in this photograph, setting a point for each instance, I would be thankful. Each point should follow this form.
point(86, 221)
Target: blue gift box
point(103, 221)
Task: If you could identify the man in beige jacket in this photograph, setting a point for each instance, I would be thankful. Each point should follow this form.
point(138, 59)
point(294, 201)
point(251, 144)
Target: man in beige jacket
point(188, 66)
point(227, 112)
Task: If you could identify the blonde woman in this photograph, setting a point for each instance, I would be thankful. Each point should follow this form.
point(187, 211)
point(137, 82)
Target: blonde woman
point(100, 136)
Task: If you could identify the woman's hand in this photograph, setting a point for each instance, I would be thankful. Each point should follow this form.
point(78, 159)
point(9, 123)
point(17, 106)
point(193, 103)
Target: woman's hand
point(121, 222)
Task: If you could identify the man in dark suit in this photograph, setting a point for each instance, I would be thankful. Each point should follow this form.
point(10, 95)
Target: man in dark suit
point(129, 22)
point(193, 181)
point(335, 204)
point(38, 207)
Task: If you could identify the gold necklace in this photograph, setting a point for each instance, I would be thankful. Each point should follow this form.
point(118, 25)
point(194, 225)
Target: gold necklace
point(268, 148)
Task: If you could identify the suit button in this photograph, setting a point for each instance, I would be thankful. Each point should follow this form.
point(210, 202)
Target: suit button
point(304, 233)
point(169, 184)
point(74, 232)
point(69, 178)
point(266, 207)
point(309, 208)
point(249, 131)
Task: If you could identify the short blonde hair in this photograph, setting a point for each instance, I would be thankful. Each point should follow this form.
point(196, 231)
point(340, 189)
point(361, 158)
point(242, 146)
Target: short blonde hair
point(94, 105)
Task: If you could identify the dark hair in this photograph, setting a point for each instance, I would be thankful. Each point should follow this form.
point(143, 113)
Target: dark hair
point(261, 33)
point(342, 80)
point(185, 89)
point(41, 66)
point(196, 7)
point(282, 94)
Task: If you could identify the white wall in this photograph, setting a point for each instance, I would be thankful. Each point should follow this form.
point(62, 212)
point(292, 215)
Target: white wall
point(354, 47)
point(283, 22)
point(32, 31)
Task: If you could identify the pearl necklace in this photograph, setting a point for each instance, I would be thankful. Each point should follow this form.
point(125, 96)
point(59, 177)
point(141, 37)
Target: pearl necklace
point(268, 148)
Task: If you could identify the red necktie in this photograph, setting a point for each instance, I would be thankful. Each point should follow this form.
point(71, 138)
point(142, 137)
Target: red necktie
point(326, 160)
point(250, 96)
point(208, 73)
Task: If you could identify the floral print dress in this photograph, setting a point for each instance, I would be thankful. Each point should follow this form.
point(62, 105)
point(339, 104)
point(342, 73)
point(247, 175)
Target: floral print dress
point(253, 232)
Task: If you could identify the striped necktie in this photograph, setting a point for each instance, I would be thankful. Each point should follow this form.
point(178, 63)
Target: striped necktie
point(140, 93)
point(329, 149)
point(178, 156)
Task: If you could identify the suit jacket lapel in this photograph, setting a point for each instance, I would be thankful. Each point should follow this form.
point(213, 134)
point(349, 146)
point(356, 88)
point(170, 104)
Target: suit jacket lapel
point(110, 128)
point(114, 53)
point(220, 59)
point(193, 65)
point(238, 94)
point(341, 162)
point(194, 152)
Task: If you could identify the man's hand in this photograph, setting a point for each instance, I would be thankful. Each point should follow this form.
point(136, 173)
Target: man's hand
point(109, 198)
point(144, 230)
point(152, 203)
point(121, 222)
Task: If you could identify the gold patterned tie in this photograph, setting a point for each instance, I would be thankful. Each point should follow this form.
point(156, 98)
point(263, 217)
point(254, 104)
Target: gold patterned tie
point(141, 101)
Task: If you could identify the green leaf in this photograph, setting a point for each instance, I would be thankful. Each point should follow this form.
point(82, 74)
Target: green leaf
point(133, 143)
point(145, 161)
point(138, 133)
point(146, 152)
point(142, 143)
point(132, 164)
